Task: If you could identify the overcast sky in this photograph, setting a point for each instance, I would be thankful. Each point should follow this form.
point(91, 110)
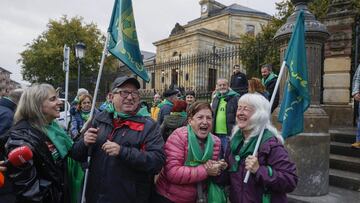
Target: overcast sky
point(21, 21)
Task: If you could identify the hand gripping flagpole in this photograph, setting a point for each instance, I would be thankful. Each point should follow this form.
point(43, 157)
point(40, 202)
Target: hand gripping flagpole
point(83, 200)
point(263, 128)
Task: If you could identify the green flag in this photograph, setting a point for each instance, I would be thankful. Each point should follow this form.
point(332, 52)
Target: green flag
point(123, 42)
point(296, 97)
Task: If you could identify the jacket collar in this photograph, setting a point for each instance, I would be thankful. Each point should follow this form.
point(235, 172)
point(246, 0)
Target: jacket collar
point(106, 117)
point(7, 103)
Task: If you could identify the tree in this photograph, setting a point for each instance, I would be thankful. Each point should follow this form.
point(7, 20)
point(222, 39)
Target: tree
point(42, 60)
point(260, 49)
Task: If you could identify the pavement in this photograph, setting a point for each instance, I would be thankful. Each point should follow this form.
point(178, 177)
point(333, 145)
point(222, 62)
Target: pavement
point(335, 195)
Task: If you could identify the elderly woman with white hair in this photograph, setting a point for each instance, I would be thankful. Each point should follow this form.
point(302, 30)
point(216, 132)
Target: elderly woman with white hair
point(272, 173)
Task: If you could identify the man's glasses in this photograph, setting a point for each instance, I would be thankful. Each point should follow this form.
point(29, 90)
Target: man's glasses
point(125, 93)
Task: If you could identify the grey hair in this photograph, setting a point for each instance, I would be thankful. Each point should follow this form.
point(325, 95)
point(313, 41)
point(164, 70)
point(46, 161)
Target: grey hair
point(227, 81)
point(261, 116)
point(15, 95)
point(81, 91)
point(30, 105)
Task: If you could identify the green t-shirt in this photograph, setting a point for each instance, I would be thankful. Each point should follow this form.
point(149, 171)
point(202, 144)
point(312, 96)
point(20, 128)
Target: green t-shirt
point(220, 124)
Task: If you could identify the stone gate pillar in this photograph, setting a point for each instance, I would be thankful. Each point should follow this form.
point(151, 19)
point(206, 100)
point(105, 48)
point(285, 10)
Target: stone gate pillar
point(337, 66)
point(310, 149)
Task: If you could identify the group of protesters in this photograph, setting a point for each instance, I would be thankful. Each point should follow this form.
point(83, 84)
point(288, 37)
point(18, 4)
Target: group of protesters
point(182, 150)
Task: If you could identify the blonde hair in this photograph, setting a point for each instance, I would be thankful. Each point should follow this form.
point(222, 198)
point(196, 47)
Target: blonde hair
point(255, 85)
point(30, 105)
point(260, 117)
point(82, 98)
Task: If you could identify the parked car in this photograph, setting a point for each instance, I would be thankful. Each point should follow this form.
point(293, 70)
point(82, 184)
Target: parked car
point(61, 119)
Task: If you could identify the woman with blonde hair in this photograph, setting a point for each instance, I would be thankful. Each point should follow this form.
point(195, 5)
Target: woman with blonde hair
point(272, 173)
point(255, 86)
point(42, 178)
point(81, 115)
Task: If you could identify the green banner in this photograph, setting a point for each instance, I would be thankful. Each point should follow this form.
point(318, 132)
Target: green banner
point(123, 42)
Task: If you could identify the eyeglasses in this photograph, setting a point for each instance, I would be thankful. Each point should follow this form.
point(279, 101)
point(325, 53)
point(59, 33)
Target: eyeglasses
point(125, 93)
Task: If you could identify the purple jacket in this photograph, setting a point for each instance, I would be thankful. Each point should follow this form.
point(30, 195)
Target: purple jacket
point(284, 179)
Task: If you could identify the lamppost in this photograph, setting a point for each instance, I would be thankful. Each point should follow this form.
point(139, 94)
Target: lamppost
point(79, 54)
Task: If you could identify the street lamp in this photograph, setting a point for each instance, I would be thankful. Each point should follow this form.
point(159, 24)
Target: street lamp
point(79, 53)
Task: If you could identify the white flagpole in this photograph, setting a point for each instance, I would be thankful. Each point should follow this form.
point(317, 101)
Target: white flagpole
point(97, 84)
point(83, 200)
point(263, 128)
point(66, 69)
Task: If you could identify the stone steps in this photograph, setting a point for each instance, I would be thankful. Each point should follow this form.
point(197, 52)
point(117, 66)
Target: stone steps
point(345, 179)
point(344, 149)
point(344, 160)
point(343, 136)
point(346, 163)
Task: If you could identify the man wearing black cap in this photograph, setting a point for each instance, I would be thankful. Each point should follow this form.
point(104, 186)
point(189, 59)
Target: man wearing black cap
point(127, 149)
point(165, 106)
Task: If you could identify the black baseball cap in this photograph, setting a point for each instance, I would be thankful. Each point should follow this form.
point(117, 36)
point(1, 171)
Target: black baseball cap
point(125, 79)
point(170, 92)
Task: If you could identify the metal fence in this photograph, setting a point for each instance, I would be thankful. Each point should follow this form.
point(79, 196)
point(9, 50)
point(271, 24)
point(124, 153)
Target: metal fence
point(198, 72)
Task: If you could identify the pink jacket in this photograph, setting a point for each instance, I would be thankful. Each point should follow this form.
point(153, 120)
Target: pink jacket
point(176, 181)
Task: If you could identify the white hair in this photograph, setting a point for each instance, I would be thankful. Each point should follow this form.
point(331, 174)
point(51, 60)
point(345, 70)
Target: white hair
point(260, 118)
point(81, 91)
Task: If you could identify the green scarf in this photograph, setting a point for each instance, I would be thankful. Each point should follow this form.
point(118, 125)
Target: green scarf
point(182, 114)
point(229, 93)
point(59, 138)
point(63, 144)
point(111, 109)
point(270, 77)
point(165, 102)
point(246, 149)
point(85, 115)
point(197, 157)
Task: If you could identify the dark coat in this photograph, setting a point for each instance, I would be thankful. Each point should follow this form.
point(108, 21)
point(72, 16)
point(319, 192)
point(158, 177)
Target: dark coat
point(164, 110)
point(239, 83)
point(77, 123)
point(127, 178)
point(231, 107)
point(171, 123)
point(7, 110)
point(41, 179)
point(270, 86)
point(284, 179)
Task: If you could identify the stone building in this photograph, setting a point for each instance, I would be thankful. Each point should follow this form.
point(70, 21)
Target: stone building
point(218, 26)
point(5, 81)
point(339, 64)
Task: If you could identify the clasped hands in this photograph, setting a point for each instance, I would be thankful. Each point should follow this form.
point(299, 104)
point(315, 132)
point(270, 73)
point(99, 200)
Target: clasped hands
point(110, 148)
point(214, 168)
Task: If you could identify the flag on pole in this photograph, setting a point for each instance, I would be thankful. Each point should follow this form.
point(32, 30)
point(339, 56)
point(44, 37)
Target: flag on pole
point(123, 42)
point(296, 97)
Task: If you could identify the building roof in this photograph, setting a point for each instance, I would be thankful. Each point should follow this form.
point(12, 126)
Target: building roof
point(148, 55)
point(4, 70)
point(234, 9)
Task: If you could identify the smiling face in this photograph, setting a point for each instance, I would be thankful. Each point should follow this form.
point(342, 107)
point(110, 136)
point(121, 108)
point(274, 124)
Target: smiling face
point(201, 123)
point(126, 98)
point(190, 99)
point(222, 86)
point(243, 114)
point(51, 106)
point(86, 104)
